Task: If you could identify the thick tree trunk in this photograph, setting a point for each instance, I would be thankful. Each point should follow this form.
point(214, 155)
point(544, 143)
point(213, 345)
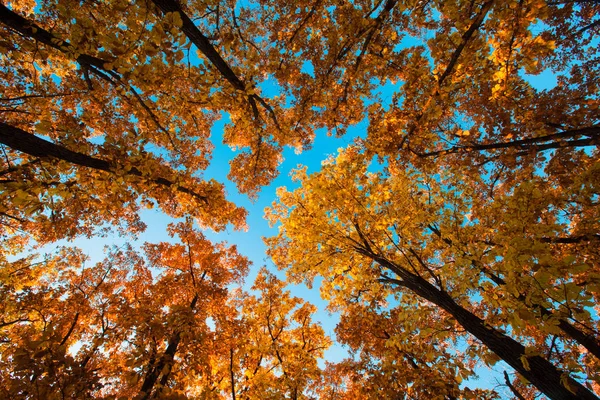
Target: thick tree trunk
point(201, 41)
point(156, 370)
point(590, 342)
point(27, 143)
point(166, 360)
point(539, 371)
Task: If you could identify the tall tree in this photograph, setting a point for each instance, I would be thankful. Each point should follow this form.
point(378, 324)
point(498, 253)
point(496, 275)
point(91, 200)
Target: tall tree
point(153, 326)
point(274, 344)
point(376, 235)
point(524, 159)
point(109, 143)
point(108, 61)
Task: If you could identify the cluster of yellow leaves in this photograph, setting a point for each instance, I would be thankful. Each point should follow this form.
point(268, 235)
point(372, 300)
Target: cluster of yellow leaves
point(512, 260)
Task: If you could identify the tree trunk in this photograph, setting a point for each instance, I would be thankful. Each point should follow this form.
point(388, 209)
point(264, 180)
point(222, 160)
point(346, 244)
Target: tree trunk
point(32, 30)
point(27, 143)
point(166, 360)
point(539, 371)
point(201, 41)
point(588, 341)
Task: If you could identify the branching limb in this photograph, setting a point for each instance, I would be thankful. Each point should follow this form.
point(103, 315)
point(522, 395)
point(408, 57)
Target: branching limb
point(32, 145)
point(531, 144)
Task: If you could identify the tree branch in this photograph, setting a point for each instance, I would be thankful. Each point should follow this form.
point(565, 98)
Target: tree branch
point(475, 25)
point(592, 132)
point(512, 388)
point(32, 145)
point(166, 360)
point(204, 45)
point(87, 62)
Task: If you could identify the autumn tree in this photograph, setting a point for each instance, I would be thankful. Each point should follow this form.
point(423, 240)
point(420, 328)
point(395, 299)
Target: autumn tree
point(73, 70)
point(273, 345)
point(91, 132)
point(408, 238)
point(160, 325)
point(461, 72)
point(87, 331)
point(466, 121)
point(107, 62)
point(54, 88)
point(394, 354)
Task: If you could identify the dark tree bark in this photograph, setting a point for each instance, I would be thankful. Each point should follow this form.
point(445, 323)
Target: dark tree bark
point(466, 37)
point(27, 143)
point(540, 372)
point(512, 387)
point(30, 29)
point(547, 142)
point(201, 42)
point(165, 360)
point(204, 45)
point(590, 342)
point(87, 62)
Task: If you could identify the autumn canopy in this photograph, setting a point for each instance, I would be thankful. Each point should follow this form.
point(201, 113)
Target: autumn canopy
point(457, 231)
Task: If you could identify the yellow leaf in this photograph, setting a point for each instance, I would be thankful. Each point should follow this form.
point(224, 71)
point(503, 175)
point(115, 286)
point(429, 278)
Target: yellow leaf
point(525, 362)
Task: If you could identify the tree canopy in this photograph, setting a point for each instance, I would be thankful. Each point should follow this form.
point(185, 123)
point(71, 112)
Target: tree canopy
point(460, 228)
